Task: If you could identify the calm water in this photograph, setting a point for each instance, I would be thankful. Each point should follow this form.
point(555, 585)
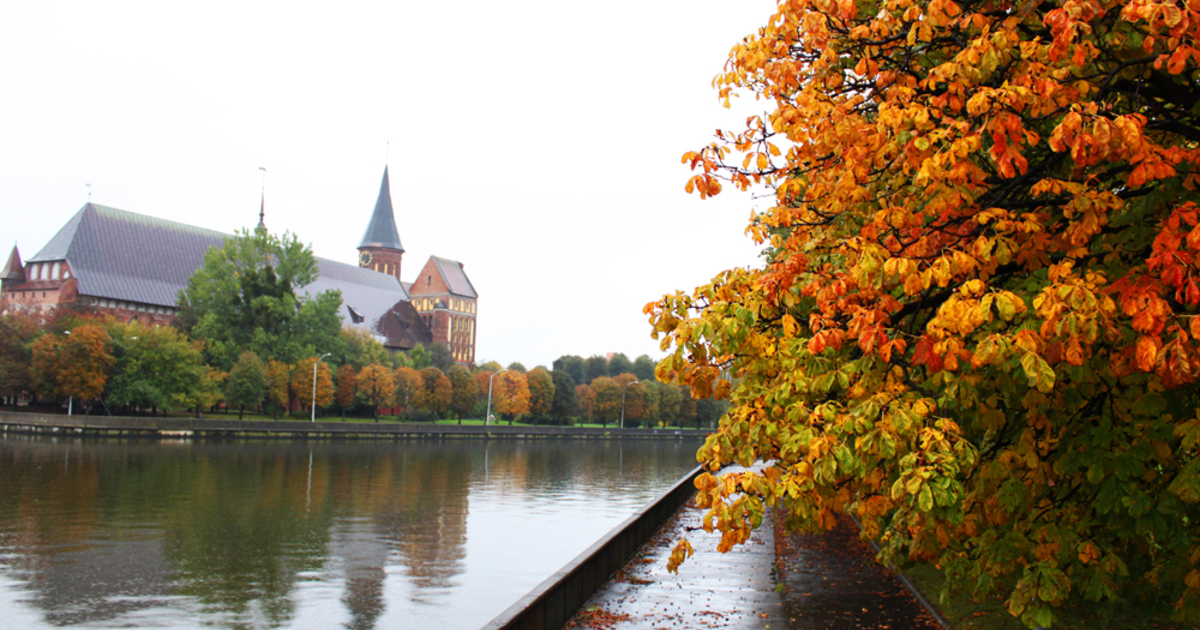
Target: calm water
point(397, 535)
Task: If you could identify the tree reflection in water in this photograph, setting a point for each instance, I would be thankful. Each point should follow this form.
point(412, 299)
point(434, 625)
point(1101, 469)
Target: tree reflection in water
point(262, 534)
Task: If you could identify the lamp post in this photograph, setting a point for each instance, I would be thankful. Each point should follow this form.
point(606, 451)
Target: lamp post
point(314, 396)
point(623, 402)
point(71, 399)
point(487, 419)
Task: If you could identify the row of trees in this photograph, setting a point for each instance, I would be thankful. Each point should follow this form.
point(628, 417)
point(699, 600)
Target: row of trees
point(130, 368)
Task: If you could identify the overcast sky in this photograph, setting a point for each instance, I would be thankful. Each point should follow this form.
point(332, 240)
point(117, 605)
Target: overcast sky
point(537, 142)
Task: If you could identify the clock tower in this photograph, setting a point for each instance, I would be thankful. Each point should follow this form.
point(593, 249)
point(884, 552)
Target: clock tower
point(380, 248)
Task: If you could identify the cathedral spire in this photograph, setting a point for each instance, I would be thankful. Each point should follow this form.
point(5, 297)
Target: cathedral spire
point(262, 204)
point(381, 231)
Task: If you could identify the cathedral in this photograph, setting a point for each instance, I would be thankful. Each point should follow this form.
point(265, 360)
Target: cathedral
point(133, 266)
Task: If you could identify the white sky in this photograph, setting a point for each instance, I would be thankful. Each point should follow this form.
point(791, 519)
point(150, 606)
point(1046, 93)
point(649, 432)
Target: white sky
point(537, 142)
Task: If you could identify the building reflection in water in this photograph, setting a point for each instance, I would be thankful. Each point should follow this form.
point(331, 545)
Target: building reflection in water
point(260, 534)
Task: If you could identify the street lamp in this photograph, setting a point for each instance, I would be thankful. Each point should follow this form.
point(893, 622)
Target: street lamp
point(71, 400)
point(314, 396)
point(487, 418)
point(623, 402)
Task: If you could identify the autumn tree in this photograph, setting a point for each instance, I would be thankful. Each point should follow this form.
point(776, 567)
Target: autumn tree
point(510, 394)
point(410, 388)
point(975, 323)
point(18, 332)
point(605, 396)
point(438, 392)
point(376, 387)
point(464, 392)
point(302, 383)
point(347, 387)
point(74, 364)
point(541, 392)
point(586, 401)
point(484, 383)
point(246, 385)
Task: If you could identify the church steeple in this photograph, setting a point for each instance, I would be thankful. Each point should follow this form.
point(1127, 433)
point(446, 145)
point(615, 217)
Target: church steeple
point(262, 204)
point(380, 248)
point(381, 231)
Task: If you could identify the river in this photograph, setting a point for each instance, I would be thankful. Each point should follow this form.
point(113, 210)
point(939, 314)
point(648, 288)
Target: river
point(441, 534)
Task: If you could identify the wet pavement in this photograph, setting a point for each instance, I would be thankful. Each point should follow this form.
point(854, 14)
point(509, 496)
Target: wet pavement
point(827, 582)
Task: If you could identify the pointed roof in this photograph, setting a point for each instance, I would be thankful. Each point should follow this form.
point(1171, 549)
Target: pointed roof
point(262, 212)
point(14, 270)
point(381, 232)
point(456, 277)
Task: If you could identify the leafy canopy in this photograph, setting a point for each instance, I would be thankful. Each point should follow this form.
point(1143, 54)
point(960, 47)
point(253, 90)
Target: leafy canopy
point(975, 327)
point(249, 295)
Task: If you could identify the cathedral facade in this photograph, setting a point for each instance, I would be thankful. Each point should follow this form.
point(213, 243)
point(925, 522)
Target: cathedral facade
point(133, 266)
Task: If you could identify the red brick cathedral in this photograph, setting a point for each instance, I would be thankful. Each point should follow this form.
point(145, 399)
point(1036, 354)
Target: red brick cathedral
point(441, 292)
point(133, 266)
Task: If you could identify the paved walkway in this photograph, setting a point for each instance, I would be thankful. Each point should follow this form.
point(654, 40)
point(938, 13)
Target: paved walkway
point(828, 582)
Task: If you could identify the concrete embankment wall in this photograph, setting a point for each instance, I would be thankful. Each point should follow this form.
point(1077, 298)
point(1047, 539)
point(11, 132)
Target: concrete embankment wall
point(554, 601)
point(58, 424)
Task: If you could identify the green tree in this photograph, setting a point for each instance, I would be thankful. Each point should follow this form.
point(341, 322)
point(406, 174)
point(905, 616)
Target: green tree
point(154, 368)
point(564, 406)
point(594, 367)
point(279, 378)
point(464, 395)
point(75, 364)
point(651, 394)
point(517, 366)
point(246, 385)
point(440, 356)
point(360, 348)
point(418, 358)
point(618, 364)
point(670, 398)
point(572, 365)
point(249, 295)
point(643, 368)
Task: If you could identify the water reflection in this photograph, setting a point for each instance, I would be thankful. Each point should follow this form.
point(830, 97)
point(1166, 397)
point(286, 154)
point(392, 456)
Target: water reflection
point(291, 535)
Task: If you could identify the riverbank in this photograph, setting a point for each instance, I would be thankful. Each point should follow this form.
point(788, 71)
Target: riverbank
point(206, 428)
